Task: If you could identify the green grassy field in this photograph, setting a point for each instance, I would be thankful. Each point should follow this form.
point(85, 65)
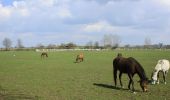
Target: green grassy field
point(28, 77)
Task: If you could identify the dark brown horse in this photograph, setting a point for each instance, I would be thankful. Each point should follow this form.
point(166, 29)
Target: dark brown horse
point(44, 54)
point(79, 58)
point(130, 66)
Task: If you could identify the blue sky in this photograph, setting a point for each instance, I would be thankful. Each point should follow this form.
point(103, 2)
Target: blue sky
point(81, 21)
point(6, 2)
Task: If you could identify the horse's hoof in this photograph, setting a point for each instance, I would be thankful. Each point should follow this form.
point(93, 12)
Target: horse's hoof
point(134, 92)
point(165, 83)
point(152, 83)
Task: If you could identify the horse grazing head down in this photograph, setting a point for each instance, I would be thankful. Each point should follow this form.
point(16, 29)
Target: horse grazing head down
point(44, 54)
point(162, 65)
point(80, 57)
point(144, 85)
point(130, 66)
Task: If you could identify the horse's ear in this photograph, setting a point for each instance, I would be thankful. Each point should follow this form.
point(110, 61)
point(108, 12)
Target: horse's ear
point(160, 62)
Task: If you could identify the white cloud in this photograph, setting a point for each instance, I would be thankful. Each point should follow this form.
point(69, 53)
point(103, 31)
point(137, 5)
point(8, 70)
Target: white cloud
point(19, 4)
point(163, 3)
point(86, 18)
point(20, 8)
point(48, 3)
point(24, 12)
point(5, 12)
point(64, 12)
point(98, 27)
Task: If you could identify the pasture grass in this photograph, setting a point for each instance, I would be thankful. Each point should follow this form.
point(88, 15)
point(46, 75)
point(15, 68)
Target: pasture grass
point(26, 76)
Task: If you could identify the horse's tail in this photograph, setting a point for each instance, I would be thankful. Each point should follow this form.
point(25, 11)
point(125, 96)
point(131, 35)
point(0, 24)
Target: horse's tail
point(115, 61)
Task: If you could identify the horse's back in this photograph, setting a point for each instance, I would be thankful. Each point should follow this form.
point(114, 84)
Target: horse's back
point(44, 54)
point(124, 65)
point(162, 65)
point(81, 55)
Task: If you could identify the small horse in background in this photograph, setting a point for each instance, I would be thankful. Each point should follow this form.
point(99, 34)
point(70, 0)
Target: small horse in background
point(44, 54)
point(162, 66)
point(131, 67)
point(80, 58)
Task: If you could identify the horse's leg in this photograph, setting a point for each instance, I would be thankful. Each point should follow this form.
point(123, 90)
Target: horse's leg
point(133, 89)
point(115, 76)
point(157, 81)
point(120, 74)
point(164, 76)
point(131, 82)
point(77, 60)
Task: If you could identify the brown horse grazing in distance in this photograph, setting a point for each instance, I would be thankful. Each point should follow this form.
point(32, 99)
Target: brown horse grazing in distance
point(130, 66)
point(44, 54)
point(80, 58)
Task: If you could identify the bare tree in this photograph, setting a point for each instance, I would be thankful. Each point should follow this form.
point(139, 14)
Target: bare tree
point(70, 45)
point(111, 40)
point(19, 43)
point(51, 46)
point(40, 46)
point(96, 45)
point(89, 45)
point(127, 46)
point(7, 43)
point(107, 40)
point(147, 43)
point(160, 45)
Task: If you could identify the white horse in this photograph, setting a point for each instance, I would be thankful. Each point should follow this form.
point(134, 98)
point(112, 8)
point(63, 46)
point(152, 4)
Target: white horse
point(162, 66)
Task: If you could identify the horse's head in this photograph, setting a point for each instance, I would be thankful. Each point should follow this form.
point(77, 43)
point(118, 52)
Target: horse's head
point(154, 76)
point(81, 55)
point(143, 84)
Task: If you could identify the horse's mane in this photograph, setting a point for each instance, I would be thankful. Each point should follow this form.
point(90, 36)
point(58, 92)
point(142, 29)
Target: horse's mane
point(116, 60)
point(140, 69)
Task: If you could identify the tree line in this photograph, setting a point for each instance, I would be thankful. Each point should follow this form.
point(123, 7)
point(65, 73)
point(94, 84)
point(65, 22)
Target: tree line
point(7, 43)
point(109, 41)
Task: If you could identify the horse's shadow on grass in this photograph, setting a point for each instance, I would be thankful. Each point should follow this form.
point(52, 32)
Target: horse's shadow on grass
point(5, 95)
point(107, 86)
point(77, 62)
point(111, 87)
